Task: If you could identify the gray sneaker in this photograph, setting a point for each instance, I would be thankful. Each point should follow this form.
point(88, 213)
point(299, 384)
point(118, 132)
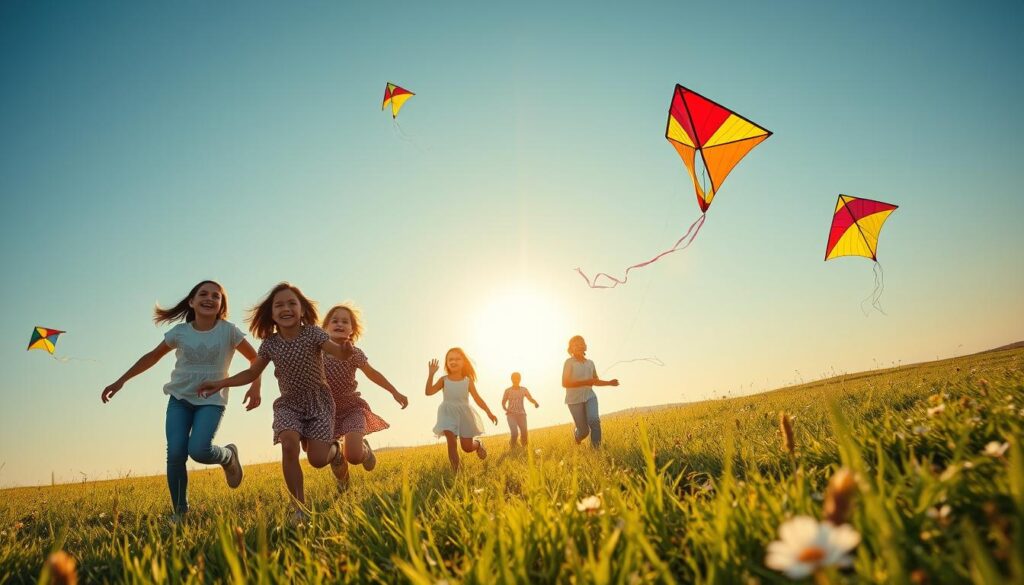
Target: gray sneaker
point(369, 459)
point(233, 468)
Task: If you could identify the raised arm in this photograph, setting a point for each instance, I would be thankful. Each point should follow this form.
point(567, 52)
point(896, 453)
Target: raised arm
point(433, 387)
point(148, 360)
point(244, 377)
point(379, 379)
point(480, 402)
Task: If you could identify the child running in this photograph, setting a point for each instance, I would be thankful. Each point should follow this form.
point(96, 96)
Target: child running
point(579, 376)
point(353, 418)
point(455, 417)
point(204, 344)
point(512, 402)
point(286, 322)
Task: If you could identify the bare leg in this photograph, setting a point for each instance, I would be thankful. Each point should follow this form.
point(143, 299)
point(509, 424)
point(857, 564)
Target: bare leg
point(320, 453)
point(453, 450)
point(290, 450)
point(354, 451)
point(469, 444)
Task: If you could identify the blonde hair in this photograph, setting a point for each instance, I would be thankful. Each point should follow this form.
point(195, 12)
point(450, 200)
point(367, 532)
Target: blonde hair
point(467, 367)
point(353, 312)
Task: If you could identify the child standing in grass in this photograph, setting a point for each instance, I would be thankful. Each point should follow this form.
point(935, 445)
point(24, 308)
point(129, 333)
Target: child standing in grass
point(455, 417)
point(579, 376)
point(286, 322)
point(353, 418)
point(512, 402)
point(204, 344)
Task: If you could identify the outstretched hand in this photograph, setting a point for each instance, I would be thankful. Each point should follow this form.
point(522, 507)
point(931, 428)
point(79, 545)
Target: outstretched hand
point(401, 399)
point(209, 388)
point(433, 366)
point(110, 390)
point(614, 382)
point(252, 398)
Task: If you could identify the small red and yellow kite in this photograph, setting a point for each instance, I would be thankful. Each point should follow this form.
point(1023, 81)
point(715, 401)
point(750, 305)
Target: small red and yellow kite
point(44, 338)
point(856, 225)
point(396, 96)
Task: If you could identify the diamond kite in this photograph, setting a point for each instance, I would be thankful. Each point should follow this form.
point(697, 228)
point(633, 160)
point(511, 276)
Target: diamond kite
point(711, 139)
point(44, 338)
point(856, 225)
point(396, 96)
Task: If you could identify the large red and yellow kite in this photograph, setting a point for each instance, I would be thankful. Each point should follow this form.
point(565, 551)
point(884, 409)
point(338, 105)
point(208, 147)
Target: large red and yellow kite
point(711, 139)
point(396, 96)
point(856, 225)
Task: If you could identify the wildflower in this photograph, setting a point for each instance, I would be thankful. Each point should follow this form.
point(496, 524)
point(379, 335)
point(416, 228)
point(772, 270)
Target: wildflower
point(940, 514)
point(996, 449)
point(806, 545)
point(62, 568)
point(589, 504)
point(920, 429)
point(839, 495)
point(935, 410)
point(786, 426)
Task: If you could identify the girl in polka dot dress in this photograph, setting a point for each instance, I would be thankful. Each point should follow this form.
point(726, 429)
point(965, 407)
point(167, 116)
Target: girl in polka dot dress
point(353, 418)
point(286, 322)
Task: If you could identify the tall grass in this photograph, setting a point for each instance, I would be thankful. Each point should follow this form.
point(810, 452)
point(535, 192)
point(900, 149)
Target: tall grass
point(692, 494)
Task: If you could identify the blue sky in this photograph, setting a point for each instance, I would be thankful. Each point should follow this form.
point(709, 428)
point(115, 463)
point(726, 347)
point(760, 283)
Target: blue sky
point(145, 147)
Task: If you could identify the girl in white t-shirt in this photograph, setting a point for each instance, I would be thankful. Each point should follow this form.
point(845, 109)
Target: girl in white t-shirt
point(204, 344)
point(579, 376)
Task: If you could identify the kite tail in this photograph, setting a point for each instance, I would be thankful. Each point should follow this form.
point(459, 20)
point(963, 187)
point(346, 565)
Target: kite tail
point(402, 135)
point(688, 238)
point(66, 359)
point(650, 360)
point(876, 295)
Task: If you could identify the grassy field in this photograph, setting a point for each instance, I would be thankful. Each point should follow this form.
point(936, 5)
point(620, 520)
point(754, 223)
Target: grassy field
point(688, 494)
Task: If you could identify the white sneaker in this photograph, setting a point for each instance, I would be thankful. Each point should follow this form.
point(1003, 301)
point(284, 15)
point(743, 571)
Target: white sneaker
point(369, 459)
point(233, 468)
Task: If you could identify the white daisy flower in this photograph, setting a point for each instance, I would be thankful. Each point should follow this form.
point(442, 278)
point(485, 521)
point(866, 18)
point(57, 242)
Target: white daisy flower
point(589, 504)
point(806, 545)
point(996, 449)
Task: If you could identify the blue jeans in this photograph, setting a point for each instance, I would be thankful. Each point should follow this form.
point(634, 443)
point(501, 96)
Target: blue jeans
point(588, 422)
point(190, 430)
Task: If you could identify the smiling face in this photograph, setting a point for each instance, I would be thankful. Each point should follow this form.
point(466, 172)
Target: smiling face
point(453, 363)
point(208, 301)
point(339, 325)
point(577, 347)
point(286, 310)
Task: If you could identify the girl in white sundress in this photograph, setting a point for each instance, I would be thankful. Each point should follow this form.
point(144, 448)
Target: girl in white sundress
point(455, 417)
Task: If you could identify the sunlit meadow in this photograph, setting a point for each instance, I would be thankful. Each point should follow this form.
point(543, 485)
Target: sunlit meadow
point(926, 463)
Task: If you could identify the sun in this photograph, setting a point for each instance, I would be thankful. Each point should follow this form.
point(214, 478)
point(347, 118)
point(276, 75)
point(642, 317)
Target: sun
point(525, 331)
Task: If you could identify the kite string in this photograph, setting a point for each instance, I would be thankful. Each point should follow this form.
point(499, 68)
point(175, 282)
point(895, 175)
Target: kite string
point(679, 245)
point(402, 135)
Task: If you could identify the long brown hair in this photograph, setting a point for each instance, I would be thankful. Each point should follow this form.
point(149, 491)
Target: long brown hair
point(261, 316)
point(355, 315)
point(467, 366)
point(183, 312)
